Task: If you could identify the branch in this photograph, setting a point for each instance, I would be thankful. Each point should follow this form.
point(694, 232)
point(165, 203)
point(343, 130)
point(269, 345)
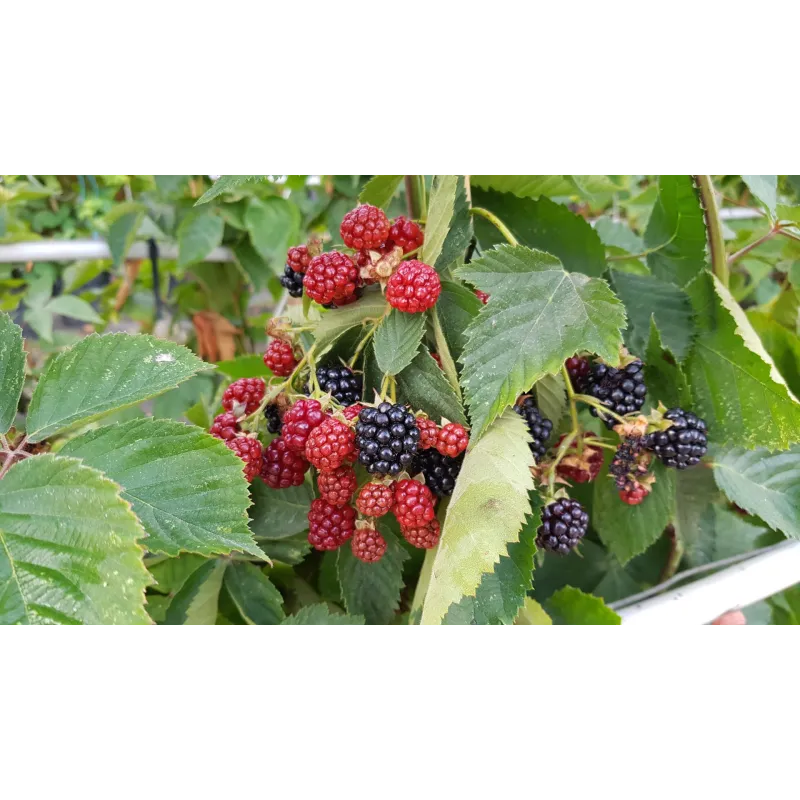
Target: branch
point(716, 244)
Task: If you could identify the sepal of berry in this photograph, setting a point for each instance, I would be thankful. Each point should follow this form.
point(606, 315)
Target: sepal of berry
point(424, 536)
point(375, 498)
point(364, 228)
point(250, 451)
point(414, 287)
point(338, 486)
point(280, 328)
point(428, 433)
point(225, 426)
point(281, 467)
point(299, 421)
point(452, 439)
point(244, 396)
point(329, 527)
point(368, 545)
point(330, 444)
point(280, 358)
point(580, 466)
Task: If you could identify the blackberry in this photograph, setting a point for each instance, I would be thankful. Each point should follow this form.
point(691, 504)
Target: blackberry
point(440, 471)
point(622, 390)
point(387, 438)
point(292, 281)
point(341, 382)
point(625, 466)
point(273, 418)
point(539, 427)
point(684, 443)
point(564, 524)
point(579, 370)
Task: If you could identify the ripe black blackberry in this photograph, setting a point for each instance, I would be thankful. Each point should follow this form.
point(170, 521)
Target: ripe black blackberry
point(684, 443)
point(273, 418)
point(387, 439)
point(440, 471)
point(340, 381)
point(539, 427)
point(292, 281)
point(564, 524)
point(622, 390)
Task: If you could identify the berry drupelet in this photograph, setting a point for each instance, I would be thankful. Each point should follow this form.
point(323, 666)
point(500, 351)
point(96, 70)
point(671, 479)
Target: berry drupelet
point(340, 382)
point(375, 499)
point(280, 358)
point(440, 471)
point(621, 390)
point(281, 467)
point(539, 427)
point(250, 451)
point(331, 278)
point(405, 233)
point(387, 438)
point(564, 524)
point(244, 396)
point(684, 443)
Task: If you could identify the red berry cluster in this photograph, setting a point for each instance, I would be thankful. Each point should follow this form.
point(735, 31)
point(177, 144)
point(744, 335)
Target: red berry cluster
point(280, 358)
point(414, 510)
point(244, 396)
point(450, 440)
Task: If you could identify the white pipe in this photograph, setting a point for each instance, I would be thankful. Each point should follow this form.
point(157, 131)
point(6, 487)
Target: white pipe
point(736, 587)
point(89, 249)
point(740, 213)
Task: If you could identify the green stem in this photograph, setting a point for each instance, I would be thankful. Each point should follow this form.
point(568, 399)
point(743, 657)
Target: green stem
point(362, 344)
point(416, 197)
point(752, 246)
point(591, 401)
point(497, 222)
point(716, 243)
point(442, 348)
point(674, 557)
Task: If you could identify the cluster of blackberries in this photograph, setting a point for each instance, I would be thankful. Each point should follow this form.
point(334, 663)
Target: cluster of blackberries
point(340, 382)
point(387, 438)
point(622, 390)
point(440, 471)
point(684, 443)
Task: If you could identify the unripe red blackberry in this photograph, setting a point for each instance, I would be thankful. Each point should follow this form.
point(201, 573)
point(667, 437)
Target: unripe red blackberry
point(413, 503)
point(225, 426)
point(428, 433)
point(351, 412)
point(482, 296)
point(414, 287)
point(280, 358)
point(405, 233)
point(281, 467)
point(249, 450)
point(299, 421)
point(244, 396)
point(452, 440)
point(364, 228)
point(330, 444)
point(634, 495)
point(564, 524)
point(580, 465)
point(338, 486)
point(331, 278)
point(298, 258)
point(375, 499)
point(368, 545)
point(423, 536)
point(329, 527)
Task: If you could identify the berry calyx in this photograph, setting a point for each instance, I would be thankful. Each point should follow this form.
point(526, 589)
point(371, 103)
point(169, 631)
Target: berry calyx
point(414, 287)
point(580, 466)
point(428, 432)
point(564, 524)
point(298, 258)
point(405, 233)
point(440, 471)
point(340, 382)
point(634, 495)
point(482, 296)
point(375, 499)
point(413, 504)
point(578, 369)
point(299, 421)
point(539, 427)
point(244, 396)
point(621, 390)
point(684, 443)
point(273, 417)
point(225, 426)
point(249, 450)
point(387, 438)
point(368, 545)
point(282, 467)
point(292, 281)
point(329, 527)
point(331, 278)
point(425, 536)
point(364, 228)
point(280, 358)
point(338, 486)
point(330, 444)
point(452, 440)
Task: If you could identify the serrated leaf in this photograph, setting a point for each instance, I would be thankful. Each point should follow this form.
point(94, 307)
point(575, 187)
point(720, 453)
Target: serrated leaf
point(371, 307)
point(532, 613)
point(12, 370)
point(735, 385)
point(629, 530)
point(397, 340)
point(486, 513)
point(543, 225)
point(171, 573)
point(665, 380)
point(227, 183)
point(695, 495)
point(574, 607)
point(765, 484)
point(538, 316)
point(502, 592)
point(532, 186)
point(253, 594)
point(279, 513)
point(378, 191)
point(273, 223)
point(457, 307)
point(459, 233)
point(677, 228)
point(423, 385)
point(251, 263)
point(646, 297)
point(721, 534)
point(292, 550)
point(440, 213)
point(765, 190)
point(71, 306)
point(244, 367)
point(782, 345)
point(618, 234)
point(198, 234)
point(443, 351)
point(186, 487)
point(321, 615)
point(102, 374)
point(373, 590)
point(551, 397)
point(68, 547)
point(197, 601)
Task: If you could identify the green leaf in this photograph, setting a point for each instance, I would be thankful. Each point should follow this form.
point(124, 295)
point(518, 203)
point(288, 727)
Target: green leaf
point(459, 233)
point(379, 190)
point(41, 321)
point(279, 513)
point(423, 385)
point(551, 397)
point(502, 592)
point(665, 380)
point(123, 222)
point(171, 573)
point(71, 306)
point(765, 484)
point(371, 307)
point(721, 534)
point(765, 190)
point(244, 367)
point(457, 307)
point(646, 297)
point(373, 590)
point(257, 600)
point(629, 530)
point(678, 229)
point(252, 264)
point(443, 350)
point(68, 547)
point(12, 370)
point(440, 213)
point(538, 316)
point(782, 345)
point(185, 486)
point(273, 224)
point(735, 385)
point(227, 183)
point(320, 615)
point(104, 373)
point(618, 234)
point(485, 515)
point(573, 607)
point(532, 613)
point(526, 185)
point(199, 233)
point(197, 601)
point(544, 225)
point(291, 550)
point(397, 340)
point(695, 495)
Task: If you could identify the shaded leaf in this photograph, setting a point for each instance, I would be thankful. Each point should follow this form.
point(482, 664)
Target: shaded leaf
point(423, 385)
point(71, 306)
point(279, 513)
point(765, 190)
point(371, 307)
point(198, 234)
point(273, 224)
point(379, 190)
point(440, 213)
point(526, 185)
point(227, 183)
point(12, 370)
point(256, 599)
point(123, 223)
point(197, 601)
point(457, 307)
point(244, 367)
point(320, 615)
point(573, 607)
point(397, 340)
point(551, 397)
point(459, 233)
